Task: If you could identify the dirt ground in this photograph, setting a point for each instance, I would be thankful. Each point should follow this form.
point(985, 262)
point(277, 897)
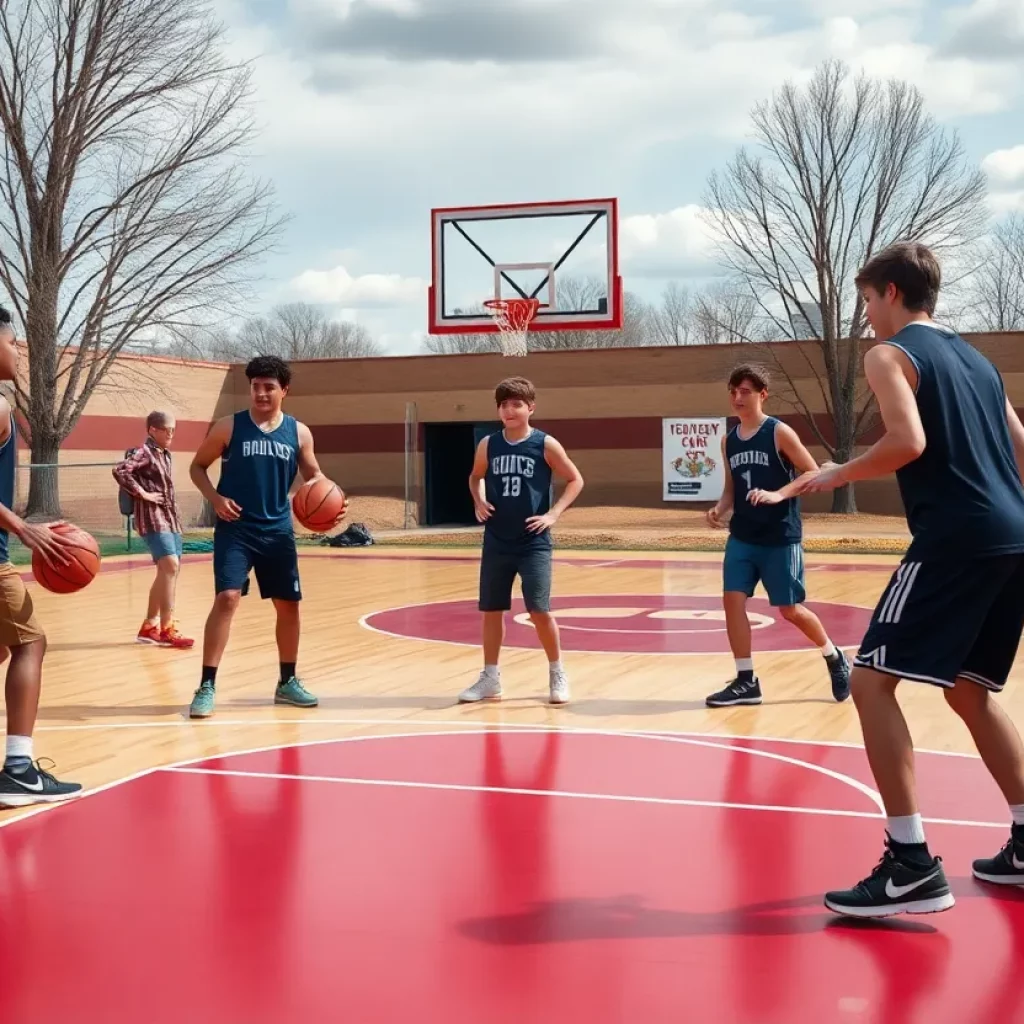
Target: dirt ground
point(623, 527)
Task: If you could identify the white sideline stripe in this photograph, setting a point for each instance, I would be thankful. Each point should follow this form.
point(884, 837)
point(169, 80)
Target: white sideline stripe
point(465, 723)
point(560, 793)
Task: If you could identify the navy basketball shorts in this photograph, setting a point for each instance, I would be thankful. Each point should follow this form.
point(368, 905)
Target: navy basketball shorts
point(498, 571)
point(948, 618)
point(779, 567)
point(239, 550)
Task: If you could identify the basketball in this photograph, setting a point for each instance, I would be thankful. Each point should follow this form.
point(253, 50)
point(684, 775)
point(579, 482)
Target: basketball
point(83, 554)
point(318, 504)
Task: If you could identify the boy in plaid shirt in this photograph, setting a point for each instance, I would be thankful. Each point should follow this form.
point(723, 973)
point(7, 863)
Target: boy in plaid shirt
point(146, 476)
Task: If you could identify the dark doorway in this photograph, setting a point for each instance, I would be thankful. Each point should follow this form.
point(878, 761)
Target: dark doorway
point(448, 451)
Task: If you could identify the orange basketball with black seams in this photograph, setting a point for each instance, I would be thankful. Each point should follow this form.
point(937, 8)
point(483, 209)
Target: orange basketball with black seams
point(83, 555)
point(318, 504)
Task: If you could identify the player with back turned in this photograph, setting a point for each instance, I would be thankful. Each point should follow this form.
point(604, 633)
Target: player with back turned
point(765, 464)
point(953, 612)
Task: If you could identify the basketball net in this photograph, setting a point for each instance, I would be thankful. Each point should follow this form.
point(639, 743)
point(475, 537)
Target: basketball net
point(513, 318)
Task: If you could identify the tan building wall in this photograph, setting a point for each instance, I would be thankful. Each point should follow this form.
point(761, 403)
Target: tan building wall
point(606, 406)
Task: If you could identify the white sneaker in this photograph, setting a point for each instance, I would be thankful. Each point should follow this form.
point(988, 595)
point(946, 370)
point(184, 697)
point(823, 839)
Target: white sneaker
point(559, 684)
point(487, 687)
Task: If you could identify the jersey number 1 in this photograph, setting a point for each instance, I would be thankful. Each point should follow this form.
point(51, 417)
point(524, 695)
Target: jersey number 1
point(513, 485)
point(746, 476)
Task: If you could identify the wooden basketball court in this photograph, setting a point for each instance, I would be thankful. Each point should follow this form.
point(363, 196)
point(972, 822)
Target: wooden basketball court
point(392, 855)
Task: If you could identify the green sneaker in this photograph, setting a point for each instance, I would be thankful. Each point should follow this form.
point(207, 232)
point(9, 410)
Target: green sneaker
point(203, 702)
point(293, 692)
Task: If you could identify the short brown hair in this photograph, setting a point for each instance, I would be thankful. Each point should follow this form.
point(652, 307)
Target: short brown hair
point(158, 420)
point(912, 268)
point(757, 375)
point(515, 387)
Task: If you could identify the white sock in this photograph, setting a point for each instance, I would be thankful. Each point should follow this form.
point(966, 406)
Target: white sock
point(19, 746)
point(555, 666)
point(828, 650)
point(1017, 813)
point(744, 665)
point(909, 830)
point(491, 671)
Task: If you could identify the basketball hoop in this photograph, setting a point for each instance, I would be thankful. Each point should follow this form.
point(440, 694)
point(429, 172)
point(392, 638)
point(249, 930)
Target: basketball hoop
point(513, 318)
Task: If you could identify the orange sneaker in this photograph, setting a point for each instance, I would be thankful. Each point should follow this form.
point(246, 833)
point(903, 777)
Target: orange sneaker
point(149, 634)
point(171, 637)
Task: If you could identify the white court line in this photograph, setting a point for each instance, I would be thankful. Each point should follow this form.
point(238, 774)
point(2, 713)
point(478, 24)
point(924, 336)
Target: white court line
point(562, 794)
point(228, 723)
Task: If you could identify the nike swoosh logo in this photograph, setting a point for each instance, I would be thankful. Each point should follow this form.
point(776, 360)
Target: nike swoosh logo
point(895, 891)
point(1019, 865)
point(36, 787)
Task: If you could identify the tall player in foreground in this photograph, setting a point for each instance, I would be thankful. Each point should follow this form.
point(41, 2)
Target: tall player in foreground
point(22, 780)
point(261, 449)
point(511, 488)
point(765, 466)
point(953, 612)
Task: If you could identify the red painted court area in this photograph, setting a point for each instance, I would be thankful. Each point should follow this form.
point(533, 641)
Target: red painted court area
point(501, 876)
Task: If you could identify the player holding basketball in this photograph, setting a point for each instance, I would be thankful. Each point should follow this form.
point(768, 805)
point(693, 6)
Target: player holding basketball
point(511, 488)
point(22, 781)
point(952, 614)
point(261, 449)
point(765, 463)
point(146, 476)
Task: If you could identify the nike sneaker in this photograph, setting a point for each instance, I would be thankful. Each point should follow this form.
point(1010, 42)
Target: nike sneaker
point(33, 786)
point(898, 885)
point(737, 692)
point(1007, 866)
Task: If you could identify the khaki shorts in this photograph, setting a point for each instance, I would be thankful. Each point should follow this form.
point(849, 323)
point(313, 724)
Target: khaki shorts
point(18, 625)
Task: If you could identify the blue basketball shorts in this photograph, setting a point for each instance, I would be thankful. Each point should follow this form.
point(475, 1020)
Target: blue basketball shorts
point(498, 570)
point(948, 618)
point(779, 568)
point(240, 549)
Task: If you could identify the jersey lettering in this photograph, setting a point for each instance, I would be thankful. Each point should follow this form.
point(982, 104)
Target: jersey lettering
point(263, 447)
point(754, 458)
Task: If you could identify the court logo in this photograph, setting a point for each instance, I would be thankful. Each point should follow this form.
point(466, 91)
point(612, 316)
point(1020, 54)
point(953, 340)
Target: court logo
point(624, 624)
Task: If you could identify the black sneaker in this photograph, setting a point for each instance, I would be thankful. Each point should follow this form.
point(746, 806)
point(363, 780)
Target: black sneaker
point(737, 692)
point(1007, 866)
point(895, 887)
point(34, 786)
point(839, 670)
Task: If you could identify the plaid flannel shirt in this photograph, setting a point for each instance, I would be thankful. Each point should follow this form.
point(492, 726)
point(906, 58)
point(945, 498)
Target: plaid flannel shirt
point(149, 469)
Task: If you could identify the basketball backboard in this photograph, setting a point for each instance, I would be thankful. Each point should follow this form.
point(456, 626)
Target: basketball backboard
point(565, 254)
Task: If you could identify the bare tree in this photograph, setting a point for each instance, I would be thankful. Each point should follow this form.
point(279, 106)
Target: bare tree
point(726, 314)
point(999, 281)
point(846, 167)
point(299, 330)
point(672, 322)
point(126, 208)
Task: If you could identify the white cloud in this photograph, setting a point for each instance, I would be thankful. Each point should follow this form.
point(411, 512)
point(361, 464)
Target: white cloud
point(337, 286)
point(673, 244)
point(1005, 166)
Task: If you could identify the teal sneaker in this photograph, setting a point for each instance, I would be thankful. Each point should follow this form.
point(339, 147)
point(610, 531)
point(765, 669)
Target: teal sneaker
point(293, 692)
point(203, 702)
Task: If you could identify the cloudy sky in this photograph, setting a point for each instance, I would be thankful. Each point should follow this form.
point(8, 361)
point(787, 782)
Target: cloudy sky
point(375, 111)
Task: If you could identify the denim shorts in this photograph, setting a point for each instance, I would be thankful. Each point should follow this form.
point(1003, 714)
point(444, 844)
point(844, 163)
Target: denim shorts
point(163, 544)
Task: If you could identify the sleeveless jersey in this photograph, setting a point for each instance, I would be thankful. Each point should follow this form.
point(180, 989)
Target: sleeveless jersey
point(258, 469)
point(963, 494)
point(8, 467)
point(757, 464)
point(518, 485)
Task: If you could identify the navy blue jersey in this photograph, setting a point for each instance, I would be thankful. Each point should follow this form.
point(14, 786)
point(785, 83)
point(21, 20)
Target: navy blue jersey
point(518, 485)
point(258, 469)
point(963, 494)
point(757, 464)
point(8, 467)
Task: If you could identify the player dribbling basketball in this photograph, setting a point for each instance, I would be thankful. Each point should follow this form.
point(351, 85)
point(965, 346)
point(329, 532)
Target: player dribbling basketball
point(261, 450)
point(22, 781)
